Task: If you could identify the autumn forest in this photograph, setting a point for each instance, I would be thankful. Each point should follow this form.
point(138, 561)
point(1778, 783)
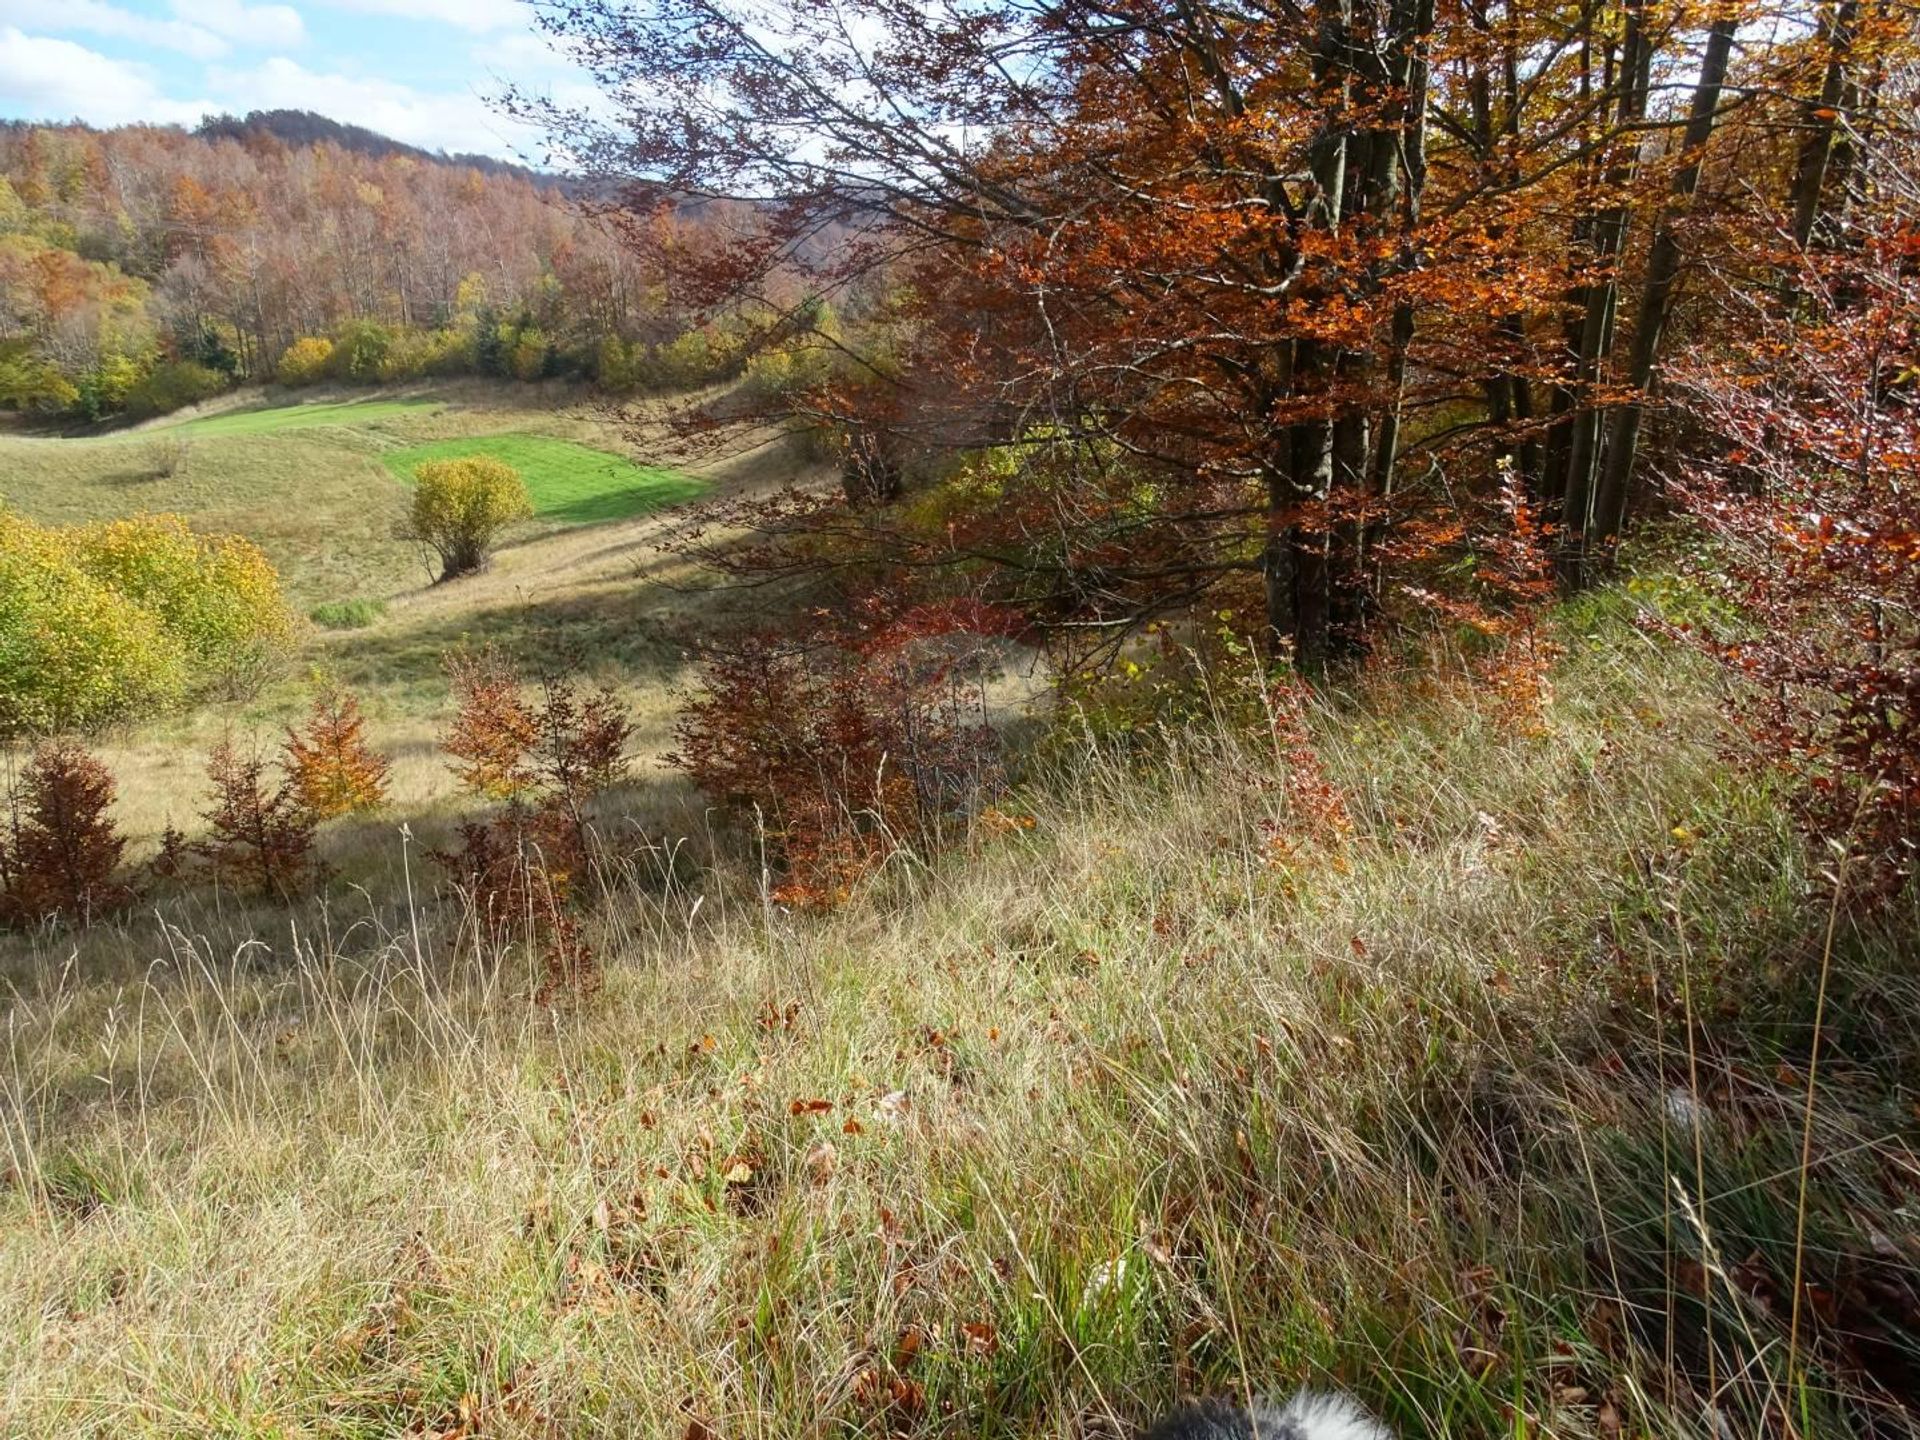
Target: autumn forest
point(965, 718)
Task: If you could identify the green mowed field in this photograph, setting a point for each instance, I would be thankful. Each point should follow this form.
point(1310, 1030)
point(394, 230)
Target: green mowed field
point(571, 483)
point(320, 486)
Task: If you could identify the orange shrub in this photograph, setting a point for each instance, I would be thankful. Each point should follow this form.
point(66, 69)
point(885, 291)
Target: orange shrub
point(333, 768)
point(546, 758)
point(262, 835)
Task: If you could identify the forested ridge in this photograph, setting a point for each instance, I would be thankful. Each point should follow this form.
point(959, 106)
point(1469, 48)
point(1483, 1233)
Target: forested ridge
point(146, 267)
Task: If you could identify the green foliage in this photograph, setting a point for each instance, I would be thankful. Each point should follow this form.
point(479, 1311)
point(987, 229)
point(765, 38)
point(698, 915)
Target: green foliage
point(306, 362)
point(528, 355)
point(415, 354)
point(32, 384)
point(174, 386)
point(690, 359)
point(210, 345)
point(106, 388)
point(459, 508)
point(359, 349)
point(355, 614)
point(613, 364)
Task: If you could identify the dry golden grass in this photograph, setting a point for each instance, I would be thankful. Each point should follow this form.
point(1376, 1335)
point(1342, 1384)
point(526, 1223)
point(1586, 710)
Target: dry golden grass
point(1021, 1142)
point(323, 506)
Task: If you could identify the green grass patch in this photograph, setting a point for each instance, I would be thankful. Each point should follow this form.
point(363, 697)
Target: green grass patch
point(302, 417)
point(355, 614)
point(570, 483)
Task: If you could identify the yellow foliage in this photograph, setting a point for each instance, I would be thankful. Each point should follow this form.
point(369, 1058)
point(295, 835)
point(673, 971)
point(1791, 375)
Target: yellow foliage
point(74, 653)
point(459, 508)
point(305, 362)
point(217, 593)
point(122, 619)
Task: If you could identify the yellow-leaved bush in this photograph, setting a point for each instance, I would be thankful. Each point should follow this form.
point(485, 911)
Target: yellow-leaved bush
point(306, 361)
point(459, 507)
point(73, 652)
point(126, 618)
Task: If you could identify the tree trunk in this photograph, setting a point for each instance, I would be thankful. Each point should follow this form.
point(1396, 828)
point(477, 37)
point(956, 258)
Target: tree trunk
point(1821, 121)
point(1602, 307)
point(1663, 267)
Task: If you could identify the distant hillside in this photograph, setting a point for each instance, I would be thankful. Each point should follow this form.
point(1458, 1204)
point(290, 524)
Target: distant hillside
point(143, 268)
point(304, 127)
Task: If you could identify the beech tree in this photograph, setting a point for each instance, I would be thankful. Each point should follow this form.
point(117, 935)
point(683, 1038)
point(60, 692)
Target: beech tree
point(1238, 290)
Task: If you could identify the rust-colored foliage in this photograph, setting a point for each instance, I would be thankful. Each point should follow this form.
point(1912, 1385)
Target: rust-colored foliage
point(1804, 472)
point(260, 830)
point(528, 865)
point(494, 730)
point(1498, 557)
point(60, 850)
point(849, 744)
point(333, 768)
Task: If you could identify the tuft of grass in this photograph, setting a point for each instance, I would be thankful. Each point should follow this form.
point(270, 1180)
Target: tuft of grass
point(355, 614)
point(1487, 1107)
point(167, 457)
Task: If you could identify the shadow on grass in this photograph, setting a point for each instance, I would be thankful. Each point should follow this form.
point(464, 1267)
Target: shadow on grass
point(659, 492)
point(603, 635)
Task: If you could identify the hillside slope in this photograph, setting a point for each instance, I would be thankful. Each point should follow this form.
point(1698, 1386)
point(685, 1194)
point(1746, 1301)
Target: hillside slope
point(1469, 1101)
point(319, 486)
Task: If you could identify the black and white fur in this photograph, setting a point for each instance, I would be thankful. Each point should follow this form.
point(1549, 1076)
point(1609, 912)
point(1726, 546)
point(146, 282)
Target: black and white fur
point(1310, 1415)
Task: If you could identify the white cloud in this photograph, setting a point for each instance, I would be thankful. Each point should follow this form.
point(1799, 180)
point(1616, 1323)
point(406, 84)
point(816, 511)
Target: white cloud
point(445, 120)
point(48, 79)
point(522, 53)
point(479, 16)
point(92, 17)
point(260, 27)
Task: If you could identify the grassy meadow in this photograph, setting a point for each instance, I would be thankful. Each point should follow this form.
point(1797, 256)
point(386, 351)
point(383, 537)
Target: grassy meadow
point(1490, 1101)
point(1135, 1092)
point(570, 483)
point(320, 483)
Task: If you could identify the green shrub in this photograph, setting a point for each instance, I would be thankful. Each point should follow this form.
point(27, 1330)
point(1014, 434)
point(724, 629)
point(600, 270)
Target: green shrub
point(693, 358)
point(359, 350)
point(414, 354)
point(106, 387)
point(528, 355)
point(614, 365)
point(306, 361)
point(31, 384)
point(173, 386)
point(356, 614)
point(406, 358)
point(450, 352)
point(459, 508)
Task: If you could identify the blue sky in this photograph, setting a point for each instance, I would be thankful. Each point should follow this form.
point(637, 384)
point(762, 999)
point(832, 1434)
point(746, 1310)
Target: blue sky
point(419, 70)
